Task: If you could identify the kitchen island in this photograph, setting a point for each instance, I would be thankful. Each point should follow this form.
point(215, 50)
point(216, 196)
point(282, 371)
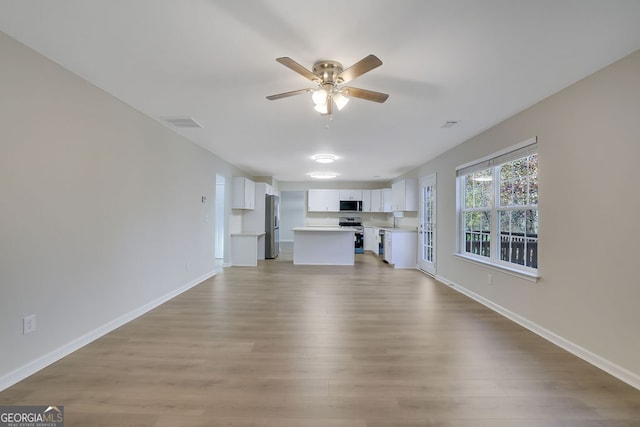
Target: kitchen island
point(323, 245)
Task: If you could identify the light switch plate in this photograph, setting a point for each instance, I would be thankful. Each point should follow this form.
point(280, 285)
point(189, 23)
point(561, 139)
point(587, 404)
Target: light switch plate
point(29, 324)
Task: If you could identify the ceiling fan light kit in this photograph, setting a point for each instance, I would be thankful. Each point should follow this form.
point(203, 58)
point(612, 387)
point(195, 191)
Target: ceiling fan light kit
point(322, 108)
point(319, 97)
point(340, 100)
point(329, 76)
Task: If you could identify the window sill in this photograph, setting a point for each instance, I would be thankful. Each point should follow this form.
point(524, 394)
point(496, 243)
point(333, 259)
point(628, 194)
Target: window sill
point(532, 277)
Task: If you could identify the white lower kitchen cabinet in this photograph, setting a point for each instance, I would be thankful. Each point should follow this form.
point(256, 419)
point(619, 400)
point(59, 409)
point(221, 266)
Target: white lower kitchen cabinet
point(388, 247)
point(401, 247)
point(371, 239)
point(247, 248)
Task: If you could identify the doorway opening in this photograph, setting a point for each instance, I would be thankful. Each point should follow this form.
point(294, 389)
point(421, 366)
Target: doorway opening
point(291, 215)
point(219, 223)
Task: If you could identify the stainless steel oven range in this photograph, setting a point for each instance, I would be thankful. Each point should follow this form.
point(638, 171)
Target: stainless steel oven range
point(354, 222)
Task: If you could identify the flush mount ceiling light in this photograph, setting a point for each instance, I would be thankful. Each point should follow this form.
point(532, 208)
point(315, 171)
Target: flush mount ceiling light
point(322, 175)
point(324, 158)
point(329, 76)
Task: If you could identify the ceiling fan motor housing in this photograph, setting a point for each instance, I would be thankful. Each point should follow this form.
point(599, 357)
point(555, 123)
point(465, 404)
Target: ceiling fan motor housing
point(328, 71)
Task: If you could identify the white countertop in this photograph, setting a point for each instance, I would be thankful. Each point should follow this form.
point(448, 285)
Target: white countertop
point(248, 233)
point(394, 229)
point(324, 228)
point(400, 229)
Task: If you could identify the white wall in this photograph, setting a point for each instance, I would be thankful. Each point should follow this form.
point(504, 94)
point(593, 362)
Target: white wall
point(100, 209)
point(292, 209)
point(220, 216)
point(589, 148)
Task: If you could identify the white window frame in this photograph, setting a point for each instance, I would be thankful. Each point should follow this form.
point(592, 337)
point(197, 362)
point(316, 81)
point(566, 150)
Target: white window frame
point(493, 162)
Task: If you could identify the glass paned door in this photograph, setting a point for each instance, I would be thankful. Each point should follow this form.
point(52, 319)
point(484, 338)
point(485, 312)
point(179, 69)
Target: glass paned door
point(427, 227)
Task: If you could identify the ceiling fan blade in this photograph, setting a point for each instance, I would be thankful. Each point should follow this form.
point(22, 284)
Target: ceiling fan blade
point(369, 95)
point(359, 68)
point(288, 94)
point(288, 62)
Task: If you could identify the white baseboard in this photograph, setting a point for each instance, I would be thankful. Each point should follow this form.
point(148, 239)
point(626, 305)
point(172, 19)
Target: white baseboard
point(34, 366)
point(611, 368)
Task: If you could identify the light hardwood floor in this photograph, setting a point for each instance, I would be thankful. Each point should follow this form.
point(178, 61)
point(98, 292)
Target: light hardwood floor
point(302, 346)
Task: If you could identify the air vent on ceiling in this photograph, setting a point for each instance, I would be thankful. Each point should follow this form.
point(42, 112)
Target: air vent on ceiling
point(449, 124)
point(182, 122)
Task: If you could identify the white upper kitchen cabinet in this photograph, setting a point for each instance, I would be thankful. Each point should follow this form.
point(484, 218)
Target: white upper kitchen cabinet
point(321, 200)
point(366, 201)
point(404, 195)
point(316, 201)
point(376, 201)
point(244, 193)
point(380, 200)
point(386, 200)
point(253, 220)
point(332, 200)
point(351, 195)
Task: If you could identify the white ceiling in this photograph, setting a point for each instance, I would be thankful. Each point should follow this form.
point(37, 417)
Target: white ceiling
point(477, 62)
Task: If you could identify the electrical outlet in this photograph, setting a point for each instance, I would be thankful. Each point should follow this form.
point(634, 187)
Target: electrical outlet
point(29, 324)
point(186, 266)
point(489, 279)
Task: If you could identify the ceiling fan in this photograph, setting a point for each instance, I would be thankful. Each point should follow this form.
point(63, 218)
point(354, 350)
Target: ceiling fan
point(329, 77)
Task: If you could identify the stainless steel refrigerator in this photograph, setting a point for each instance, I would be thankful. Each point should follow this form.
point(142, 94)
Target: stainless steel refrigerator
point(272, 226)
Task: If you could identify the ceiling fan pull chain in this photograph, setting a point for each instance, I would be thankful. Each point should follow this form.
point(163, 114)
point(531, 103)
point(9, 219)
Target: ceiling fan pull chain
point(327, 120)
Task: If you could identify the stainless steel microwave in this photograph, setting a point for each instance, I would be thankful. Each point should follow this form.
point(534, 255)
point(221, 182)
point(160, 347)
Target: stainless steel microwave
point(350, 206)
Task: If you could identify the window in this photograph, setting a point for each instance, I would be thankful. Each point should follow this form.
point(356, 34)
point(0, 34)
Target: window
point(499, 208)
